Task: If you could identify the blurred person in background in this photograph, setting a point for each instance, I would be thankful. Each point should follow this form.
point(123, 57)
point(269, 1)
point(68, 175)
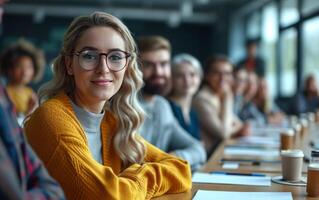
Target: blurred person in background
point(214, 104)
point(249, 111)
point(308, 99)
point(160, 126)
point(186, 78)
point(85, 129)
point(253, 62)
point(240, 84)
point(267, 106)
point(22, 63)
point(22, 174)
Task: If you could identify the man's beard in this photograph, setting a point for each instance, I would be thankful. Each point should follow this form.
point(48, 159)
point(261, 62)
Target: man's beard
point(153, 89)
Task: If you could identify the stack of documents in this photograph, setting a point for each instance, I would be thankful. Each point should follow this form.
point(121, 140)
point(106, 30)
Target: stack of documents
point(232, 178)
point(268, 131)
point(260, 141)
point(246, 151)
point(223, 195)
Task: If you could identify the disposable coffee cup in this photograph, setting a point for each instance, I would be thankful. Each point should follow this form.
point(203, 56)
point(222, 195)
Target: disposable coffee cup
point(317, 117)
point(304, 127)
point(311, 116)
point(291, 165)
point(313, 180)
point(287, 139)
point(293, 119)
point(297, 130)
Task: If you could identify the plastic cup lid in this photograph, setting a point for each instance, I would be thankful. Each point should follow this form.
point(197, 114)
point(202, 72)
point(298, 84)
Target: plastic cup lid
point(304, 122)
point(314, 166)
point(292, 153)
point(289, 132)
point(311, 116)
point(298, 127)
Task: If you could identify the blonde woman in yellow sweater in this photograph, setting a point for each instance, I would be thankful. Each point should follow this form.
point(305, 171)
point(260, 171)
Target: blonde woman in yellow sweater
point(85, 128)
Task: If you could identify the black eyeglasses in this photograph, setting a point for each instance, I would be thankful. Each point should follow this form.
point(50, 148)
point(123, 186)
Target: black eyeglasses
point(221, 73)
point(116, 60)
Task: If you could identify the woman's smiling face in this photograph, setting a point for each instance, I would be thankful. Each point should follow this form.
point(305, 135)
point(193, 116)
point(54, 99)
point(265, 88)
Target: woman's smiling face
point(100, 84)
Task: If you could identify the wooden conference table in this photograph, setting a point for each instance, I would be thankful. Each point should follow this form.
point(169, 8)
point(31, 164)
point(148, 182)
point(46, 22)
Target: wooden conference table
point(271, 169)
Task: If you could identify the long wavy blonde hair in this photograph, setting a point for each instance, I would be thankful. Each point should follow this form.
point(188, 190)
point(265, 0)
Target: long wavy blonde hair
point(124, 104)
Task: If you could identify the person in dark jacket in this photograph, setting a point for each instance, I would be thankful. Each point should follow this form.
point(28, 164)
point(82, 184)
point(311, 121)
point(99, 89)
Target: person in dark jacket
point(253, 62)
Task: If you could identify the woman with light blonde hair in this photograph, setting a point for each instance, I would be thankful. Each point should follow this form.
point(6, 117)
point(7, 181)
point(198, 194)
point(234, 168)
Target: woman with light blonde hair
point(85, 128)
point(186, 78)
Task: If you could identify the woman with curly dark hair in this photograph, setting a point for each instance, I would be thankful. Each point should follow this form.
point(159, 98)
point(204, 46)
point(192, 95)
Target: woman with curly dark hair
point(22, 63)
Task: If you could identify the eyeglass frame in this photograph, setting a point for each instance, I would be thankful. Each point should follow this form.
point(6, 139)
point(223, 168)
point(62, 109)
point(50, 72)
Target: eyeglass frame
point(220, 73)
point(127, 55)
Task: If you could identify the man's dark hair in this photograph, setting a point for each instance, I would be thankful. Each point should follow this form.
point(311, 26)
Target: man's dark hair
point(209, 63)
point(252, 41)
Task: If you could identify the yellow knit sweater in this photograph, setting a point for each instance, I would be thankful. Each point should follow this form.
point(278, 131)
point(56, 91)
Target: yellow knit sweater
point(59, 139)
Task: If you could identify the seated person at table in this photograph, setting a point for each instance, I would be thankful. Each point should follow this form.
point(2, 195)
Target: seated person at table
point(214, 104)
point(186, 78)
point(160, 126)
point(240, 84)
point(22, 63)
point(266, 106)
point(308, 99)
point(85, 129)
point(249, 111)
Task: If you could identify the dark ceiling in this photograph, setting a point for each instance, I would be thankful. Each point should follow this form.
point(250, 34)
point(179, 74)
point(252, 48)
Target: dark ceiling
point(172, 11)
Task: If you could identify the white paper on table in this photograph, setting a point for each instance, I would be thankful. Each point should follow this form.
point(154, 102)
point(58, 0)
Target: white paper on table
point(251, 151)
point(268, 130)
point(230, 165)
point(260, 140)
point(199, 177)
point(223, 195)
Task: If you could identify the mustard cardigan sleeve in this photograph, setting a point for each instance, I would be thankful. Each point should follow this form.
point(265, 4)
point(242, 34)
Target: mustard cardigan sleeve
point(59, 143)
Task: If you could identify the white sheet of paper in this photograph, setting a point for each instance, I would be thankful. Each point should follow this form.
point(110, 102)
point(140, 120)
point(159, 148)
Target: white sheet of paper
point(255, 139)
point(199, 177)
point(223, 195)
point(260, 140)
point(230, 165)
point(251, 151)
point(267, 130)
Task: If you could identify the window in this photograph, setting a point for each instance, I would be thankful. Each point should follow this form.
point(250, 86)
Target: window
point(253, 25)
point(289, 14)
point(310, 46)
point(309, 6)
point(269, 38)
point(288, 62)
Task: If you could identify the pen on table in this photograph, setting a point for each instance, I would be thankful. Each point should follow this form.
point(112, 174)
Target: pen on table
point(255, 162)
point(250, 162)
point(237, 174)
point(246, 147)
